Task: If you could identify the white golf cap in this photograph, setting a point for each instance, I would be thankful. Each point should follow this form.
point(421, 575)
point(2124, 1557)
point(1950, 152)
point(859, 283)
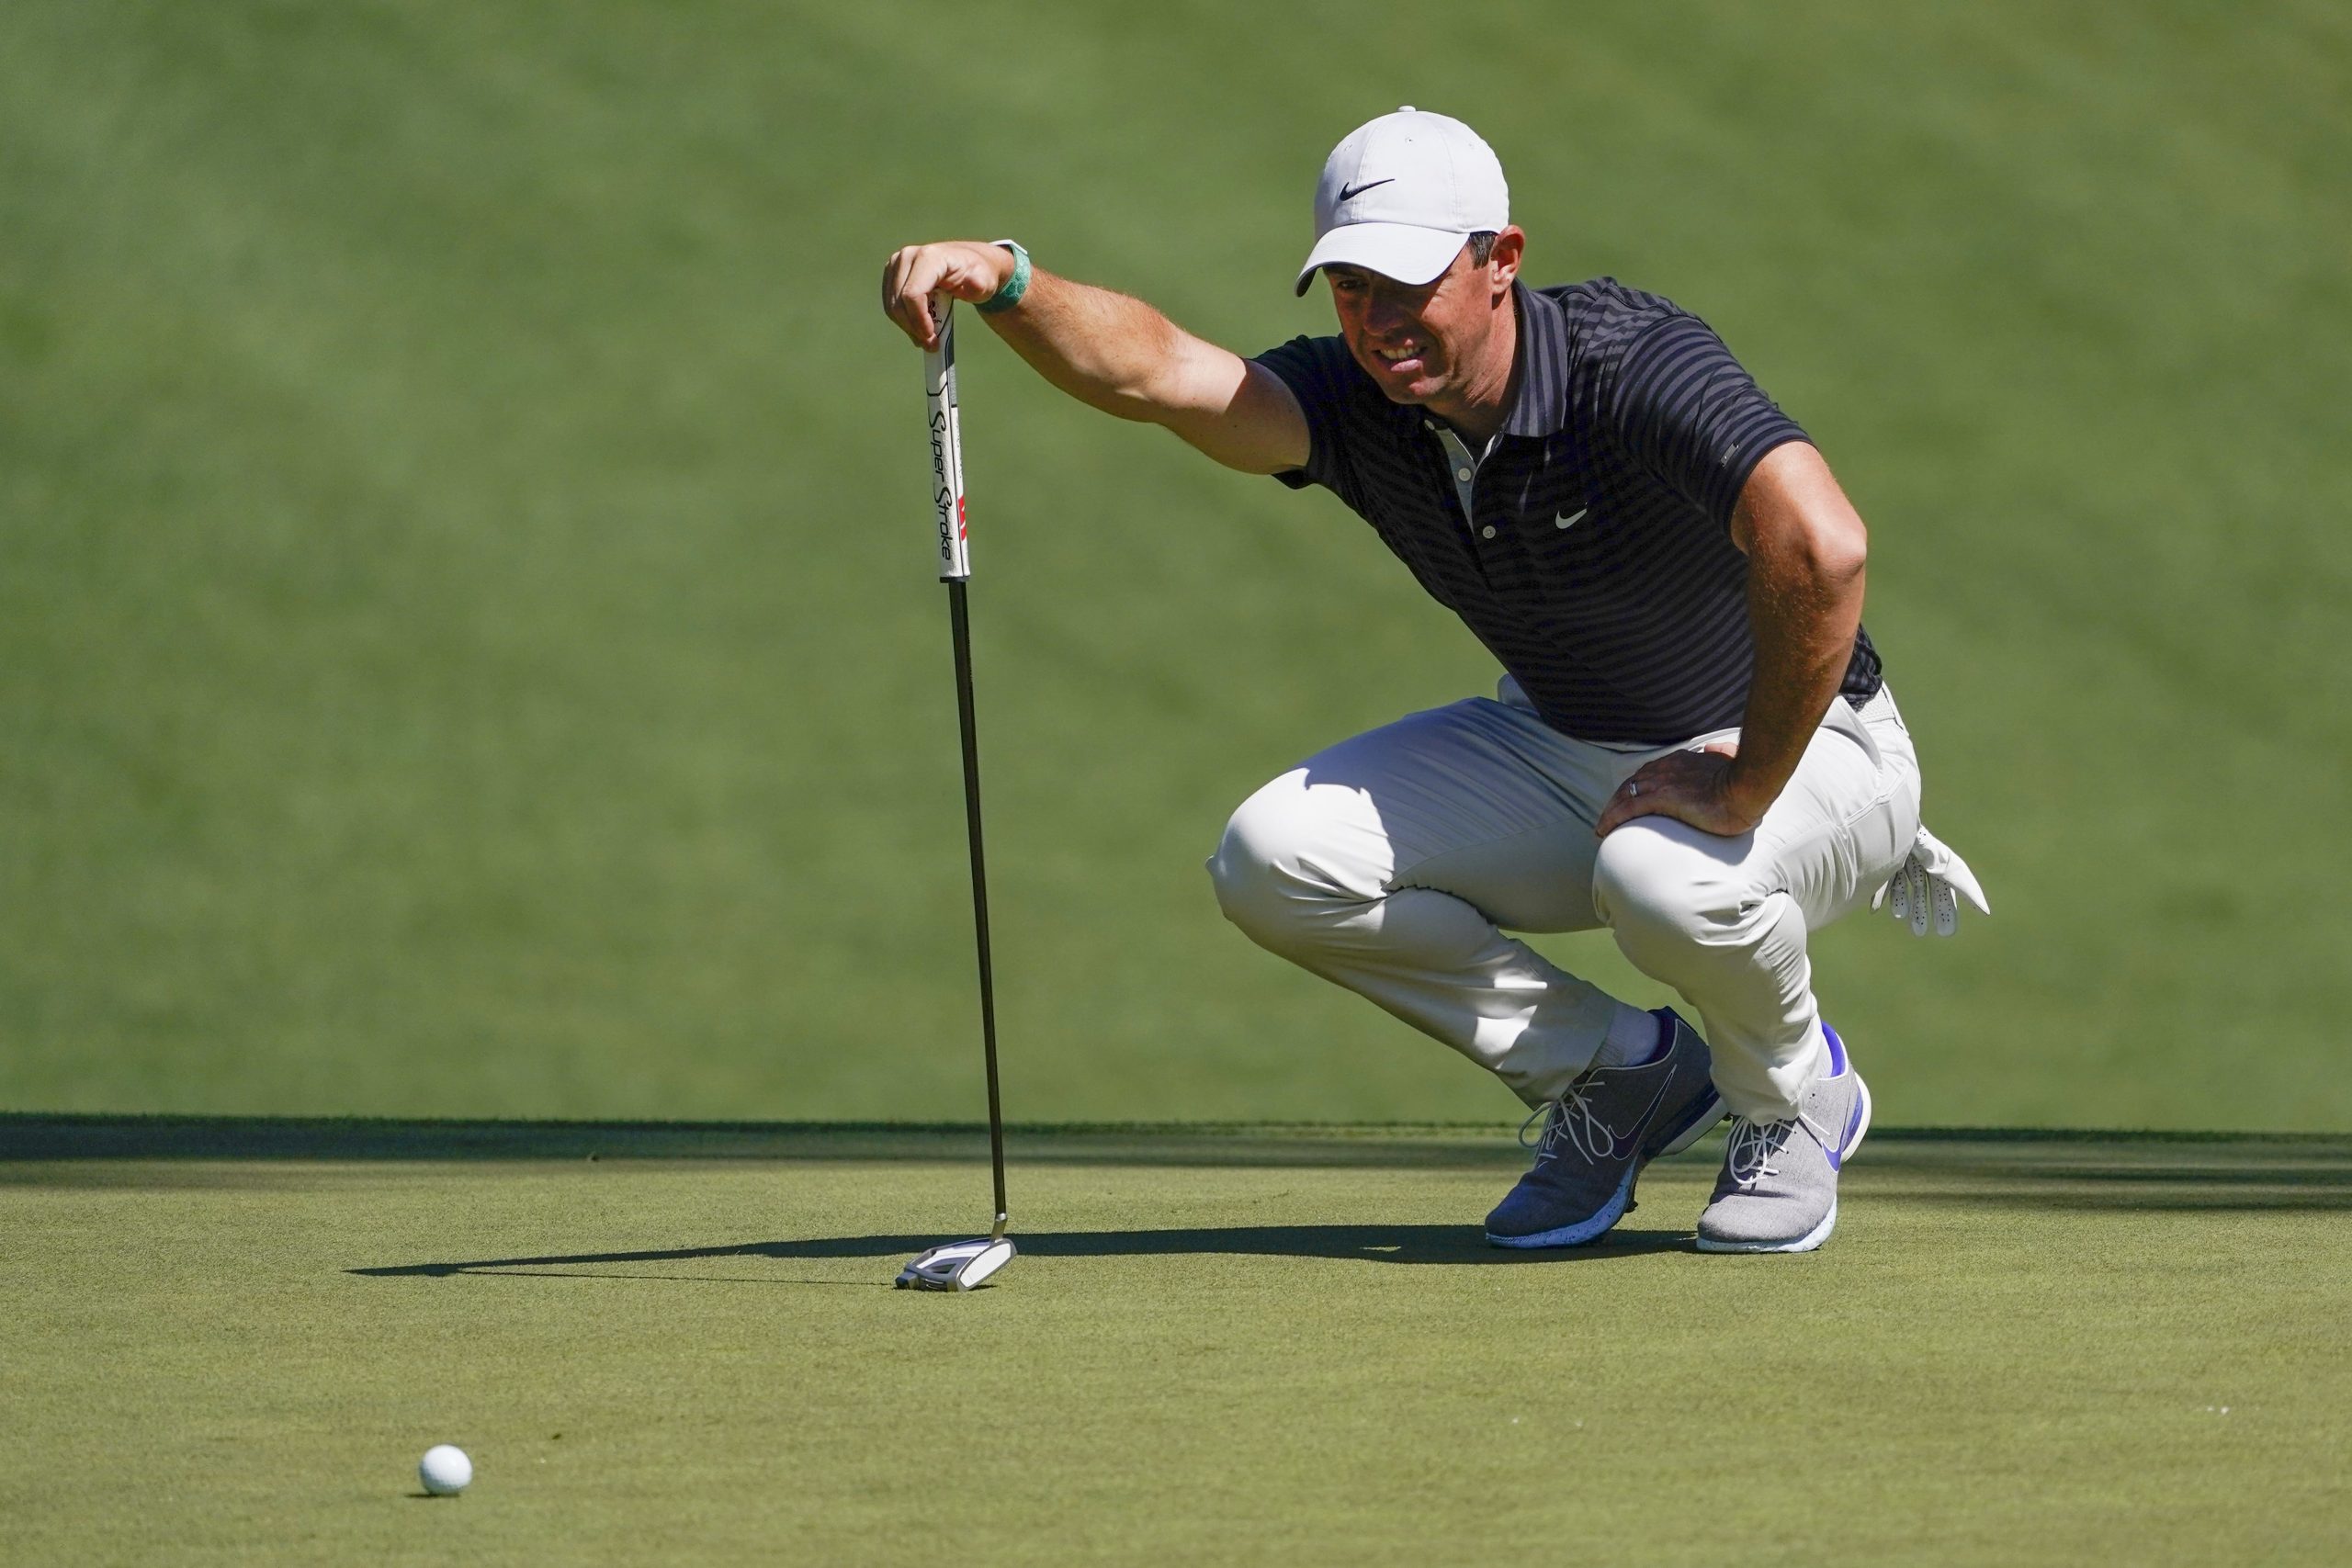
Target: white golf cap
point(1401, 194)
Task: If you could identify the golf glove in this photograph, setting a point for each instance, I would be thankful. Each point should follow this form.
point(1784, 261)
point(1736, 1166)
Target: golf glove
point(1925, 889)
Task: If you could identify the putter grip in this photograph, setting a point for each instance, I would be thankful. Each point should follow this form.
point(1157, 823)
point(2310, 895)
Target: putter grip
point(946, 447)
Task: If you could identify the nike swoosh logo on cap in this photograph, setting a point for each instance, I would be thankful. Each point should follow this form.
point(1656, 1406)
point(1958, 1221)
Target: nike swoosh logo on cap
point(1349, 193)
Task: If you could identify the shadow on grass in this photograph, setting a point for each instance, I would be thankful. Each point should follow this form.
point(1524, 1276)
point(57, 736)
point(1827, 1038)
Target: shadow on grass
point(2031, 1166)
point(1373, 1244)
point(28, 1138)
point(2245, 1175)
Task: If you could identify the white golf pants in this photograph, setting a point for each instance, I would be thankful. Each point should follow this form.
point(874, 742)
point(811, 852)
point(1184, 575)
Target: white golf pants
point(1394, 863)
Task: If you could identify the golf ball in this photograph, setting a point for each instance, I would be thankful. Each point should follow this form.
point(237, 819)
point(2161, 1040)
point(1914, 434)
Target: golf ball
point(444, 1470)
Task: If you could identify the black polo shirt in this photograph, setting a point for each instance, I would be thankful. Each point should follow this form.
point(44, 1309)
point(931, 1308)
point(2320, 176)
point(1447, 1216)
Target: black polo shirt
point(1594, 557)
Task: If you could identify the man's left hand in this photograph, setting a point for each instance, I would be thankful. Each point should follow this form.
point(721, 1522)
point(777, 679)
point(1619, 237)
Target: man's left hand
point(1689, 786)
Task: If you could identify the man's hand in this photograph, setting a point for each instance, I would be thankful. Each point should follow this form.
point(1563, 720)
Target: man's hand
point(962, 269)
point(1700, 787)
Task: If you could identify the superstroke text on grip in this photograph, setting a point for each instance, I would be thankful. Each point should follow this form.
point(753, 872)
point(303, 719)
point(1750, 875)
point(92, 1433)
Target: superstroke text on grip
point(946, 450)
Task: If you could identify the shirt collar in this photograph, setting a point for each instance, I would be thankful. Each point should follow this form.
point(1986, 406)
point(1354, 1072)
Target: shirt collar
point(1538, 408)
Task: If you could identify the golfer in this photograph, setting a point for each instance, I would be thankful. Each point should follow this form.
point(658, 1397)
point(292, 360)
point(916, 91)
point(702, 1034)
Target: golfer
point(1693, 744)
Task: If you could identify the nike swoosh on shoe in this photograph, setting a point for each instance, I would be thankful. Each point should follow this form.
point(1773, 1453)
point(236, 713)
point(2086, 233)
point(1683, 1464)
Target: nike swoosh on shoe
point(1847, 1139)
point(1624, 1146)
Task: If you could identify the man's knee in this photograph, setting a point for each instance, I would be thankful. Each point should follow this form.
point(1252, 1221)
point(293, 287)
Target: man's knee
point(1658, 884)
point(1280, 872)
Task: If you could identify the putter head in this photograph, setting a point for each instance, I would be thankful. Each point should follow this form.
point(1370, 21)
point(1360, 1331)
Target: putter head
point(957, 1266)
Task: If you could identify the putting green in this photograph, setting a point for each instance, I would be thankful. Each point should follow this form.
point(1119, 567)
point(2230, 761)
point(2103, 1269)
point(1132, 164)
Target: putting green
point(231, 1340)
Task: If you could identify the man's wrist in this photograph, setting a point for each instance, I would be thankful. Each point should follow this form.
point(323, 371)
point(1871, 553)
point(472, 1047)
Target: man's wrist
point(1745, 795)
point(1016, 283)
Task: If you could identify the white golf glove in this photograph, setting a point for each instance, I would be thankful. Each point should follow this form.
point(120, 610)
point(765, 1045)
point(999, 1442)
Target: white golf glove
point(1927, 889)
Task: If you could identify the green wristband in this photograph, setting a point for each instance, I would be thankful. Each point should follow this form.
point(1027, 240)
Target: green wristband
point(1006, 298)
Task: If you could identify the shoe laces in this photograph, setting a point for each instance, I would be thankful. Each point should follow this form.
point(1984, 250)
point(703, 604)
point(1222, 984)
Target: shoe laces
point(1573, 1122)
point(1748, 1159)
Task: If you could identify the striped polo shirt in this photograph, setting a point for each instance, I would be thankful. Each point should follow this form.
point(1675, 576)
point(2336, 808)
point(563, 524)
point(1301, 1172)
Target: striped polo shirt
point(1589, 546)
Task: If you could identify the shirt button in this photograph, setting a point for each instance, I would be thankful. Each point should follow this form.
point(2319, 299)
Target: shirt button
point(1488, 532)
point(1462, 474)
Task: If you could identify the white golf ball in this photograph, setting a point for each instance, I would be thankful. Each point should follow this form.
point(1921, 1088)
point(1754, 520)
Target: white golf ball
point(444, 1470)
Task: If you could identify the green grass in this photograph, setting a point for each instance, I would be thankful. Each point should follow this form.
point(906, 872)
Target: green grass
point(467, 636)
point(468, 650)
point(230, 1342)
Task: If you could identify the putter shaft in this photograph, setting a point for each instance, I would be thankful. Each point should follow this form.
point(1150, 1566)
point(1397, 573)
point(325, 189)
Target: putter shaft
point(960, 621)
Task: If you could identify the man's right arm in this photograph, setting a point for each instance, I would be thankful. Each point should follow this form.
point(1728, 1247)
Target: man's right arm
point(1110, 352)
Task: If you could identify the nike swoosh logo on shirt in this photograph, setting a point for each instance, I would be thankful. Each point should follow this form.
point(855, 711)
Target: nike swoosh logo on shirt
point(1349, 193)
point(1561, 522)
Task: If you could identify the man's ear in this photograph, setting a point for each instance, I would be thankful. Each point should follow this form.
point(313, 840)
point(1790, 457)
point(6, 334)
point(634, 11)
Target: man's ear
point(1510, 245)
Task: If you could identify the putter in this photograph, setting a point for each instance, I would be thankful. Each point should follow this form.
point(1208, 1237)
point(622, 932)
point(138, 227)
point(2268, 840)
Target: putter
point(962, 1265)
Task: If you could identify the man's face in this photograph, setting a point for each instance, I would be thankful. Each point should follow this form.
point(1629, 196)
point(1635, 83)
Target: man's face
point(1420, 344)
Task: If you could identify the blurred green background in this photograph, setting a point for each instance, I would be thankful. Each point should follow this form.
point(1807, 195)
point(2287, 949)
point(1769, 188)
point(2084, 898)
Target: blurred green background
point(468, 642)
